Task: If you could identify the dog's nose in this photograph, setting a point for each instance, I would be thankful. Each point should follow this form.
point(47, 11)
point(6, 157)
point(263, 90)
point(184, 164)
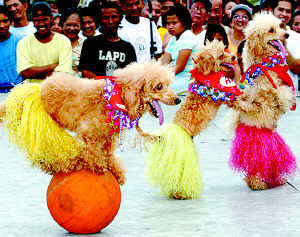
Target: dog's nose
point(286, 35)
point(177, 101)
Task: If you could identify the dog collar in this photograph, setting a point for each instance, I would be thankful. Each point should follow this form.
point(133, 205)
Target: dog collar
point(276, 63)
point(216, 85)
point(118, 116)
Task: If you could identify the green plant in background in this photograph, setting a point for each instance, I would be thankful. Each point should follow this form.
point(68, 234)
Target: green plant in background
point(254, 2)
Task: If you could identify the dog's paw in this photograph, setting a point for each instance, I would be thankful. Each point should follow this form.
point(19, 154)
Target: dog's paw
point(255, 183)
point(286, 98)
point(121, 180)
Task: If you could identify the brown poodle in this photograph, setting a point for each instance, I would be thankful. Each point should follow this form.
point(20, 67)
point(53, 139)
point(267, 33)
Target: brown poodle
point(82, 106)
point(197, 111)
point(263, 156)
point(263, 103)
point(173, 164)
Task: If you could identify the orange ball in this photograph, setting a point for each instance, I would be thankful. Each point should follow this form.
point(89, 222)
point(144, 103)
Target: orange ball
point(83, 202)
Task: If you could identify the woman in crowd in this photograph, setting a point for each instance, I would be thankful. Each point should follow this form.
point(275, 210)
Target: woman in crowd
point(180, 47)
point(165, 6)
point(228, 5)
point(90, 23)
point(240, 16)
point(72, 22)
point(295, 22)
point(56, 24)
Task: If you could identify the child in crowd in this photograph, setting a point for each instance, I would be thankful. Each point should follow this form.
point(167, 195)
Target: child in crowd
point(218, 32)
point(181, 46)
point(228, 5)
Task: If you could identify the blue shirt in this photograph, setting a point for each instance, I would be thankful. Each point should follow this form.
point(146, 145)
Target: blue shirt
point(8, 62)
point(187, 40)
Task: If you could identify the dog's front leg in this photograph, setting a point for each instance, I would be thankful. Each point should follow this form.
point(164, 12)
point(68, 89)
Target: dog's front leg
point(143, 135)
point(286, 98)
point(99, 155)
point(245, 103)
point(93, 158)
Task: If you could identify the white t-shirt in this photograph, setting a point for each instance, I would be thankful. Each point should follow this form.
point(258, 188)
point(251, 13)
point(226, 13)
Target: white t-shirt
point(200, 38)
point(293, 45)
point(80, 34)
point(25, 30)
point(139, 36)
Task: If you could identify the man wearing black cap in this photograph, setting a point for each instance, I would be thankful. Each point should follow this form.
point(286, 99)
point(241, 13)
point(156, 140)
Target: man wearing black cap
point(42, 53)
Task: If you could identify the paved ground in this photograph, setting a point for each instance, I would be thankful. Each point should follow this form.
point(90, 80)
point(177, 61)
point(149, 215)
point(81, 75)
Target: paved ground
point(228, 207)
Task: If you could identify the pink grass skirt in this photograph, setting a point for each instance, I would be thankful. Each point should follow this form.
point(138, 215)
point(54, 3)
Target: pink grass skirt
point(264, 153)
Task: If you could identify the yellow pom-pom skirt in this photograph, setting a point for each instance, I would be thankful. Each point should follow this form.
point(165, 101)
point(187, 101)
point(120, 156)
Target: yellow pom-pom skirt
point(33, 131)
point(172, 163)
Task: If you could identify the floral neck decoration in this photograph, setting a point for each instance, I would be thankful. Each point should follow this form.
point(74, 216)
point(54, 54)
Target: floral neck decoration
point(276, 63)
point(216, 85)
point(118, 116)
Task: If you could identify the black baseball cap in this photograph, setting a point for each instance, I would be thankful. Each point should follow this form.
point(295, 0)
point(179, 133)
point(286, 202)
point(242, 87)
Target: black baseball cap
point(41, 9)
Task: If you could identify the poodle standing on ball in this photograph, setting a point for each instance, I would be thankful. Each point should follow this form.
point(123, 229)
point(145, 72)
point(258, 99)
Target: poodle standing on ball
point(173, 163)
point(258, 151)
point(96, 110)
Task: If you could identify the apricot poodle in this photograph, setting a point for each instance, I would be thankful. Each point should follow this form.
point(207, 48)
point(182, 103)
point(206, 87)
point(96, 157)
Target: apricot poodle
point(257, 150)
point(173, 164)
point(208, 88)
point(96, 110)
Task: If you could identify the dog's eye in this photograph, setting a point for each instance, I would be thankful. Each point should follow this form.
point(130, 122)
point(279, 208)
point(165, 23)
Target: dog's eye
point(271, 30)
point(159, 86)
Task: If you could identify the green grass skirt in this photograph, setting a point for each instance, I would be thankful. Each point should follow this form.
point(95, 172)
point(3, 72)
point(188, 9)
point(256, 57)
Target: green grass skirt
point(173, 165)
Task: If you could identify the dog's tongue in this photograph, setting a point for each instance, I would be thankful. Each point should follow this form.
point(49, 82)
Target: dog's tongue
point(229, 65)
point(158, 109)
point(280, 46)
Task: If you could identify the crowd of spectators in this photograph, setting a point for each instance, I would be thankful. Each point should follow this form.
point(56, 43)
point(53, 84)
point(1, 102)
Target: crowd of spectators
point(90, 38)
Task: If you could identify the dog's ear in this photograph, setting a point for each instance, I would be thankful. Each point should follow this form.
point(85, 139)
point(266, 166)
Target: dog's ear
point(131, 99)
point(255, 45)
point(203, 63)
point(208, 64)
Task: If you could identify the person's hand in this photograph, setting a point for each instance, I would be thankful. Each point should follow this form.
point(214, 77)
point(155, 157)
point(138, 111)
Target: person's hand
point(55, 65)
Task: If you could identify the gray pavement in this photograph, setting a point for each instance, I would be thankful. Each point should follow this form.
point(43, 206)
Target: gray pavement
point(227, 208)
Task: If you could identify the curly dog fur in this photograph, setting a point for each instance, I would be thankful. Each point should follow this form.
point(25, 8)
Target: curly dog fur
point(78, 105)
point(196, 112)
point(173, 164)
point(261, 105)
